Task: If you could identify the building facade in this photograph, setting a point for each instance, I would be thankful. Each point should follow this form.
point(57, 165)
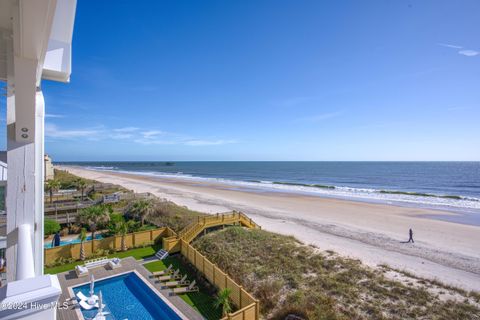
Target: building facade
point(49, 173)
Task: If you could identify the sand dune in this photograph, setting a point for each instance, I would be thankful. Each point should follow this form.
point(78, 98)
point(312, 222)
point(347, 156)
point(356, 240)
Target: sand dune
point(370, 232)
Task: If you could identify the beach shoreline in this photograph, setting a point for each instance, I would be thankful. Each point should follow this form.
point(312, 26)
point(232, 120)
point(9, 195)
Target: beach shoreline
point(371, 232)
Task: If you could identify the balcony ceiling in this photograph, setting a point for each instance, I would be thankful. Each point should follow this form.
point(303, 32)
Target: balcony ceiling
point(43, 32)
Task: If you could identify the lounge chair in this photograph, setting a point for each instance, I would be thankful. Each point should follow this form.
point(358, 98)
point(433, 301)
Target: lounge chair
point(84, 304)
point(191, 288)
point(173, 276)
point(181, 282)
point(163, 272)
point(81, 271)
point(114, 263)
point(81, 296)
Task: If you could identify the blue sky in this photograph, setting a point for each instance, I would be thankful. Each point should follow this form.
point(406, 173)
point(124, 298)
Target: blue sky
point(269, 80)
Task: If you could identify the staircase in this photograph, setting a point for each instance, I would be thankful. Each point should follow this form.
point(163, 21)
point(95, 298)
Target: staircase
point(161, 254)
point(202, 223)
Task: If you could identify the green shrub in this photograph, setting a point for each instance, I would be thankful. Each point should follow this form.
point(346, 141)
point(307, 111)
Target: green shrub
point(51, 227)
point(101, 253)
point(146, 228)
point(115, 218)
point(60, 261)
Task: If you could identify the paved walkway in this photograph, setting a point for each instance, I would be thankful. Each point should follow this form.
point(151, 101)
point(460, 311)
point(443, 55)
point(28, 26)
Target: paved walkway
point(69, 278)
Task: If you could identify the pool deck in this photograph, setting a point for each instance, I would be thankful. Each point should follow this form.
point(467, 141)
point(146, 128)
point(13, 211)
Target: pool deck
point(69, 278)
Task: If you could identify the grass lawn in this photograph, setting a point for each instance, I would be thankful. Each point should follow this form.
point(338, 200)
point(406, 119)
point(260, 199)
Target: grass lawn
point(200, 301)
point(138, 253)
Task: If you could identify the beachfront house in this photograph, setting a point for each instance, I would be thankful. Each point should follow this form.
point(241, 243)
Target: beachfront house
point(35, 44)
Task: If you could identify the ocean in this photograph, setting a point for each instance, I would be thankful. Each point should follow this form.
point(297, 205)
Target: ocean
point(453, 186)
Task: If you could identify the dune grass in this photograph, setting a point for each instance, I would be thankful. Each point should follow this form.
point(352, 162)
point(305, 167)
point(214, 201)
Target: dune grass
point(68, 180)
point(291, 278)
point(200, 301)
point(172, 215)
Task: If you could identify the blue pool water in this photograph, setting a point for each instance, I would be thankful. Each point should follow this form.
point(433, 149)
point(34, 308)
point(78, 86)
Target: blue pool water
point(128, 297)
point(72, 241)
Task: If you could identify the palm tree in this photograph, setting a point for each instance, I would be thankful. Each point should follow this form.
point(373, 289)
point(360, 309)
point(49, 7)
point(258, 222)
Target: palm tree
point(93, 217)
point(142, 209)
point(52, 186)
point(223, 300)
point(121, 229)
point(82, 237)
point(81, 184)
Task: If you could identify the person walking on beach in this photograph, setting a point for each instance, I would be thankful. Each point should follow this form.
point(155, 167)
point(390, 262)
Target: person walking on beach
point(410, 233)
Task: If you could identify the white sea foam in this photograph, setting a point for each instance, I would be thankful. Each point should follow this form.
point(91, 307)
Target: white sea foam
point(102, 168)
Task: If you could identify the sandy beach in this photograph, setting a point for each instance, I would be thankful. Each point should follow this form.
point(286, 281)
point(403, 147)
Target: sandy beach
point(370, 232)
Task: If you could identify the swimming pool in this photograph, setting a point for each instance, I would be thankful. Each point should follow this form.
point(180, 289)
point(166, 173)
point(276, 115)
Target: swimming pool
point(72, 241)
point(127, 296)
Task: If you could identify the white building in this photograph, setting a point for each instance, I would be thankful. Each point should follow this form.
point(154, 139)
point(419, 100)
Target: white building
point(49, 172)
point(35, 44)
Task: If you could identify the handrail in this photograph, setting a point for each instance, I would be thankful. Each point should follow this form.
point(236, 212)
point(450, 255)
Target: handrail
point(193, 229)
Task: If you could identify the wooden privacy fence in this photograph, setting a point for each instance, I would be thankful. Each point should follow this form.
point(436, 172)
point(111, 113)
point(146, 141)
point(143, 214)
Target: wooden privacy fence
point(248, 305)
point(72, 251)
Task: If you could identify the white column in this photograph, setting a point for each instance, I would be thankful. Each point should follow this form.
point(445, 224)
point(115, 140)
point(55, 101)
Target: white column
point(24, 203)
point(38, 247)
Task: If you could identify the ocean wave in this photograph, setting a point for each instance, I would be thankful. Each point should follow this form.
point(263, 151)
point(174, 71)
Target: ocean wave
point(102, 168)
point(420, 194)
point(305, 185)
point(343, 192)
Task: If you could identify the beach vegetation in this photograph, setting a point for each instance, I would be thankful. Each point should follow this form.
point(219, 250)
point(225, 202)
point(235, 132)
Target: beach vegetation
point(289, 277)
point(83, 237)
point(51, 227)
point(141, 209)
point(223, 301)
point(94, 217)
point(122, 228)
point(169, 214)
point(68, 180)
point(51, 186)
point(81, 184)
point(115, 218)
